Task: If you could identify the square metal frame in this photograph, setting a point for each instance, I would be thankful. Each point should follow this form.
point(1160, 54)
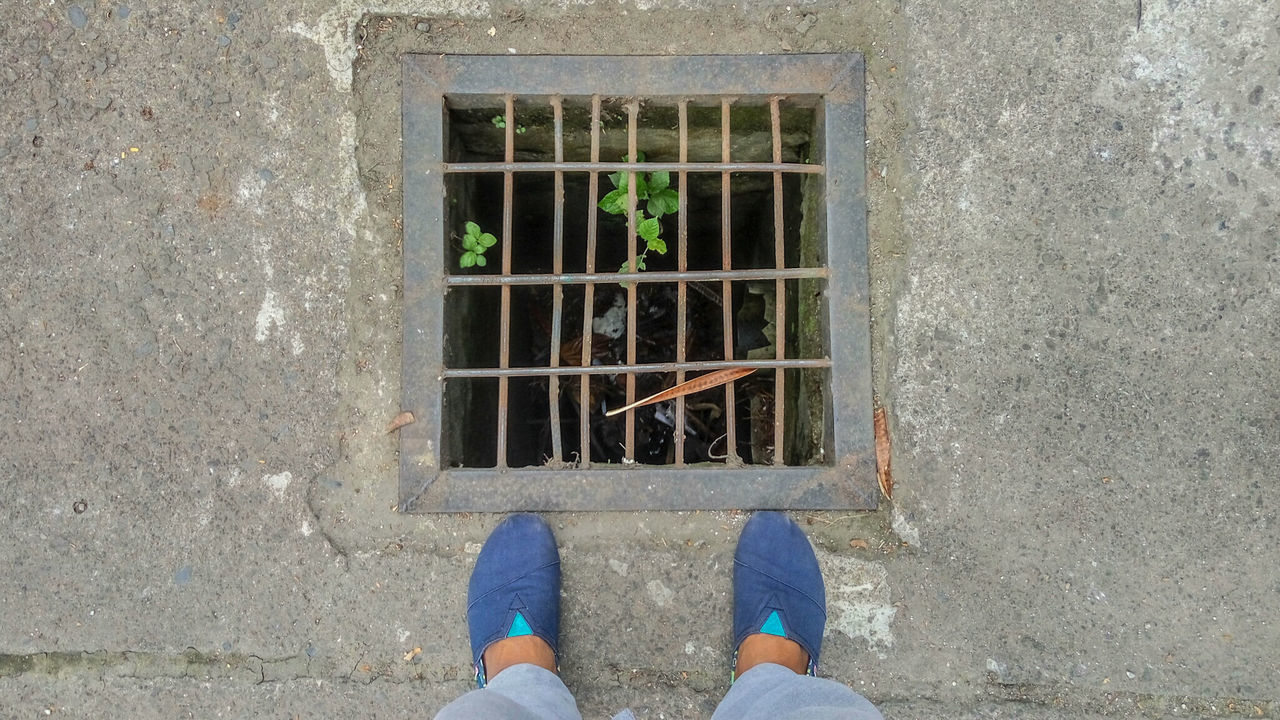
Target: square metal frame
point(848, 482)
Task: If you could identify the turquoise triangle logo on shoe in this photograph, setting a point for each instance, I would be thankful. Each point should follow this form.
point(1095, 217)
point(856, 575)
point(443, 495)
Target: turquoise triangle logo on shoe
point(773, 626)
point(519, 626)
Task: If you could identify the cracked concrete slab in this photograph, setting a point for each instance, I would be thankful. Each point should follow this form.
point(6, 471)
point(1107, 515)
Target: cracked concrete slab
point(1074, 286)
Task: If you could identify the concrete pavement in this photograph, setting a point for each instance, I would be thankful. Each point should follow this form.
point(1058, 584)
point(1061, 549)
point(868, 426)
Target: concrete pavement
point(1076, 328)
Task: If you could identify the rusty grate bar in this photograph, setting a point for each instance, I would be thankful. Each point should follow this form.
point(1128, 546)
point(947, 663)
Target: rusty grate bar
point(633, 112)
point(682, 265)
point(726, 292)
point(779, 287)
point(504, 342)
point(810, 162)
point(798, 168)
point(687, 366)
point(649, 276)
point(557, 264)
point(584, 387)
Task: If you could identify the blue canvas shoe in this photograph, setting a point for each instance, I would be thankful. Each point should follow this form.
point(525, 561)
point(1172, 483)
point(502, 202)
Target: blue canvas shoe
point(514, 588)
point(777, 585)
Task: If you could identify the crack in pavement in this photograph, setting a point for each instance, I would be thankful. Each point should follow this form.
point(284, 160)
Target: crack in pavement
point(321, 526)
point(253, 670)
point(250, 668)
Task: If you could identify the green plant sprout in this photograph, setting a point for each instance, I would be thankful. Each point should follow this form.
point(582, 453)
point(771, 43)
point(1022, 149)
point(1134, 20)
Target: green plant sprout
point(474, 243)
point(659, 198)
point(500, 122)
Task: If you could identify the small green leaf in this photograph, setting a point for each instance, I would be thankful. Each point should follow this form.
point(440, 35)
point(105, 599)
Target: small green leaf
point(472, 228)
point(487, 240)
point(642, 187)
point(626, 266)
point(658, 245)
point(650, 229)
point(480, 260)
point(663, 202)
point(619, 180)
point(468, 259)
point(499, 121)
point(469, 242)
point(659, 180)
point(656, 207)
point(520, 129)
point(615, 202)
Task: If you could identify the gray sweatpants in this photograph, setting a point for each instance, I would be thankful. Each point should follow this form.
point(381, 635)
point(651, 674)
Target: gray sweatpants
point(765, 692)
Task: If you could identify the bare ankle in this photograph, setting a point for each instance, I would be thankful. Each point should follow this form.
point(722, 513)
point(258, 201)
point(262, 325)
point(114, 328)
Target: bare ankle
point(510, 651)
point(764, 648)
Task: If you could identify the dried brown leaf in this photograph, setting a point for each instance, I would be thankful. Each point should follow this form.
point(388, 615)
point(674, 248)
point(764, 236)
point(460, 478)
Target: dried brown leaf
point(399, 421)
point(688, 387)
point(859, 543)
point(883, 472)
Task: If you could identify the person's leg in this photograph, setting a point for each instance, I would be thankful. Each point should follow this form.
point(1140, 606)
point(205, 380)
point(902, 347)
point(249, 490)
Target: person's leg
point(513, 618)
point(779, 612)
point(774, 692)
point(520, 692)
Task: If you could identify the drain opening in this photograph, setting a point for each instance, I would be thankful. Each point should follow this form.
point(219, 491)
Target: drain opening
point(749, 233)
point(605, 280)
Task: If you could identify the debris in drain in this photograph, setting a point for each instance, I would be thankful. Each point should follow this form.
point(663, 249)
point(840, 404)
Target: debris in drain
point(688, 387)
point(883, 456)
point(705, 421)
point(399, 421)
point(613, 322)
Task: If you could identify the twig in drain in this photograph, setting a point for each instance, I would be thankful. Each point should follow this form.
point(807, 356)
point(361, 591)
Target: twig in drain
point(688, 387)
point(711, 447)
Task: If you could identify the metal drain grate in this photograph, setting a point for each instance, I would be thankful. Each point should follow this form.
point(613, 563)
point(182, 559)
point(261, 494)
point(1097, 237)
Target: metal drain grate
point(510, 366)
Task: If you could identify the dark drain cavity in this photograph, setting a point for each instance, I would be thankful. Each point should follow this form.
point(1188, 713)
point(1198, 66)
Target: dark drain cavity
point(574, 247)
